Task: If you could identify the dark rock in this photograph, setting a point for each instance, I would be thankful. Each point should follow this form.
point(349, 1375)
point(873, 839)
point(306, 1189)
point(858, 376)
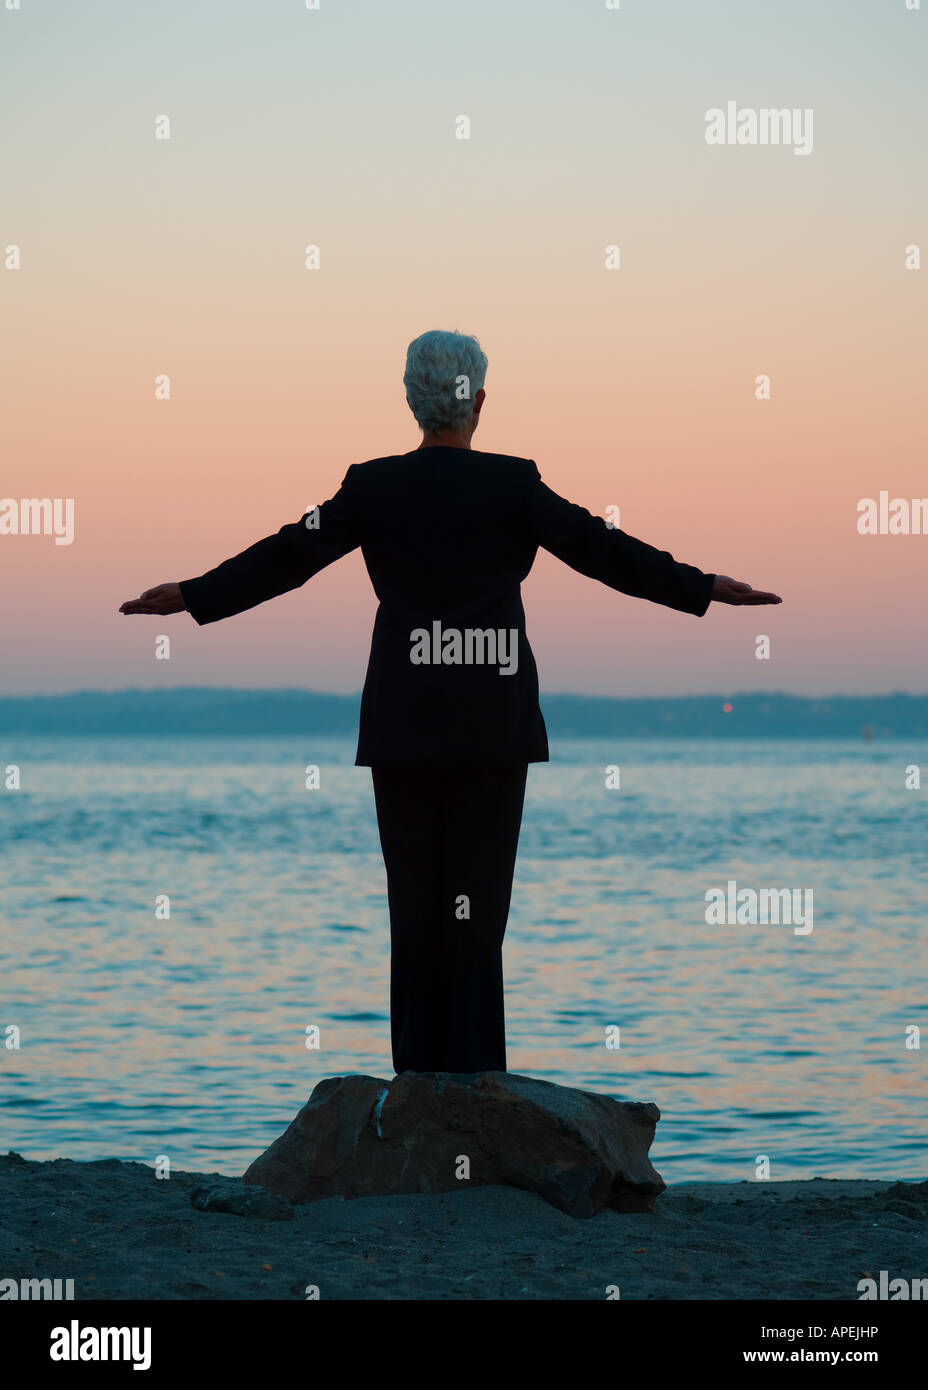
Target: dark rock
point(241, 1199)
point(912, 1193)
point(908, 1199)
point(358, 1136)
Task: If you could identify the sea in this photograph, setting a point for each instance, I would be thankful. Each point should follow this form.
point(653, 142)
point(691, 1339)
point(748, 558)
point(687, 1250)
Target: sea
point(193, 935)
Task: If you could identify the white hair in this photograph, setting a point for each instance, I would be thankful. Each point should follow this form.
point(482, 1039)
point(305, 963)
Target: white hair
point(444, 372)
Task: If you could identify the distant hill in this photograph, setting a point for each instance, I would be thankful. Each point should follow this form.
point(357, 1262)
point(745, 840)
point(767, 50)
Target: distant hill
point(196, 710)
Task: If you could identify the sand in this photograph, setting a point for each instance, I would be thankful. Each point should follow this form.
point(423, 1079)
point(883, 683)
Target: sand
point(121, 1233)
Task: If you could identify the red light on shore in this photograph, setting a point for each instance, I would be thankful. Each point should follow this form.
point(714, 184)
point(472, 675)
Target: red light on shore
point(727, 709)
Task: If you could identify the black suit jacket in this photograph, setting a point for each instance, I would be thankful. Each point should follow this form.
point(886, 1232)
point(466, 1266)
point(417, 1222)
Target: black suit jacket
point(448, 535)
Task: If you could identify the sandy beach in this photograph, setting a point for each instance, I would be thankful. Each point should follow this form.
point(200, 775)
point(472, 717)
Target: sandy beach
point(119, 1232)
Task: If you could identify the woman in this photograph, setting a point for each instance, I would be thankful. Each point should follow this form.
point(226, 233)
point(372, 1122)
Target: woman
point(450, 717)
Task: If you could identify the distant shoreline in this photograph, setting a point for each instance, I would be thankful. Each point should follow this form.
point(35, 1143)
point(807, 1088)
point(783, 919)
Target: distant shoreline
point(231, 712)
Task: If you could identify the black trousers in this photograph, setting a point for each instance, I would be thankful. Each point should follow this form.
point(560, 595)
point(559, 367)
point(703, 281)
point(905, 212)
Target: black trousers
point(449, 845)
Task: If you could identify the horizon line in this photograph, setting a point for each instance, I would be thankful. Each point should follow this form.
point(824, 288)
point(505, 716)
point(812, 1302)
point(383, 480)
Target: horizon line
point(548, 695)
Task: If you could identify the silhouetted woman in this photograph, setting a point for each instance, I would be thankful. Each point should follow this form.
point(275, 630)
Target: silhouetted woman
point(450, 717)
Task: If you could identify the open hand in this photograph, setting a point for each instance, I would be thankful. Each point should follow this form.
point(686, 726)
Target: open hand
point(164, 598)
point(726, 590)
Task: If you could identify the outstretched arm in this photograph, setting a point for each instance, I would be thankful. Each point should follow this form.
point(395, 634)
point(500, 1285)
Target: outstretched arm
point(589, 546)
point(270, 567)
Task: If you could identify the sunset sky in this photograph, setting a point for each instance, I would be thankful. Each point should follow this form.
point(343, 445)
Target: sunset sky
point(633, 387)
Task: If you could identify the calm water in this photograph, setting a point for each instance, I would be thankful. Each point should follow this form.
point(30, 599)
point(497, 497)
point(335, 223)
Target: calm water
point(187, 1037)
